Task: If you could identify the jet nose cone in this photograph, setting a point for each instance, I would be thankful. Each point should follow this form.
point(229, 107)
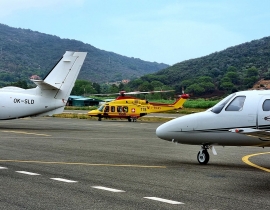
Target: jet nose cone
point(161, 131)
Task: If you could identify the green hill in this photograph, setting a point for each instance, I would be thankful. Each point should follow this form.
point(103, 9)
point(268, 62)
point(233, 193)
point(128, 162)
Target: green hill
point(24, 52)
point(232, 69)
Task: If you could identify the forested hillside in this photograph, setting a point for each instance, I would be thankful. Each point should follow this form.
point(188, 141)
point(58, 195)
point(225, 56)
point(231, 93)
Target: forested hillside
point(235, 68)
point(24, 52)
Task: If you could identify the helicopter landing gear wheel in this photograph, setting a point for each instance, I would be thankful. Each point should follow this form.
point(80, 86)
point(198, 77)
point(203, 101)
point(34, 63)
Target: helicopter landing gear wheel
point(203, 156)
point(129, 119)
point(99, 118)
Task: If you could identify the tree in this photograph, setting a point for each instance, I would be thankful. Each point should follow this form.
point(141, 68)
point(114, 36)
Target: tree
point(195, 89)
point(157, 84)
point(186, 83)
point(113, 89)
point(121, 86)
point(97, 87)
point(135, 84)
point(232, 69)
point(252, 72)
point(82, 87)
point(204, 79)
point(208, 86)
point(20, 83)
point(145, 86)
point(227, 85)
point(233, 76)
point(251, 76)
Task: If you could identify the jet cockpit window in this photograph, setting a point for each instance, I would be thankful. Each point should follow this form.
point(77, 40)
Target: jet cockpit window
point(266, 105)
point(236, 104)
point(219, 106)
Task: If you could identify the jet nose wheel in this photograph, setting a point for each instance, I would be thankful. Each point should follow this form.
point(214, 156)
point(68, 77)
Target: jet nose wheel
point(203, 157)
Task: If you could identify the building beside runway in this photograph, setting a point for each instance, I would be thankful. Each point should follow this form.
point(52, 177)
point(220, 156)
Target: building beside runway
point(82, 101)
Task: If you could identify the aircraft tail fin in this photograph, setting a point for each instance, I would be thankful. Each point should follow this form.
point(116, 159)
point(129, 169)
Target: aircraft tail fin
point(180, 101)
point(63, 75)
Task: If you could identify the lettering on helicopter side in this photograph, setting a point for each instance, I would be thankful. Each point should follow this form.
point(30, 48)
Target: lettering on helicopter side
point(122, 114)
point(25, 101)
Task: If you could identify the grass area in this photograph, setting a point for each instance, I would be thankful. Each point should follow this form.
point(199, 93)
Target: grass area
point(193, 103)
point(80, 107)
point(200, 103)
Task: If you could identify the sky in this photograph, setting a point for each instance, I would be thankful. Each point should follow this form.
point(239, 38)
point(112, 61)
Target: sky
point(163, 31)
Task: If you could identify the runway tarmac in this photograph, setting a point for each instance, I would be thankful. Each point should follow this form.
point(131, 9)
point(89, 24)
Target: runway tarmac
point(56, 163)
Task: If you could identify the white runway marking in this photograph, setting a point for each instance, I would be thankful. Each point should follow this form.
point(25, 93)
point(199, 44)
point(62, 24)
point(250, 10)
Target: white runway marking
point(108, 189)
point(164, 200)
point(64, 180)
point(3, 167)
point(28, 173)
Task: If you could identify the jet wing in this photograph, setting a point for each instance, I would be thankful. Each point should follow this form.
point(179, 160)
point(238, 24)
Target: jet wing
point(258, 133)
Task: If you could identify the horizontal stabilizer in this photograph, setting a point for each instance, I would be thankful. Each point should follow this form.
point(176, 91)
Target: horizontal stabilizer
point(44, 86)
point(252, 132)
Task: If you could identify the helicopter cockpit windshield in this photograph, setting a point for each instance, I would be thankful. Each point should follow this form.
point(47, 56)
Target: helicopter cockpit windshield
point(101, 108)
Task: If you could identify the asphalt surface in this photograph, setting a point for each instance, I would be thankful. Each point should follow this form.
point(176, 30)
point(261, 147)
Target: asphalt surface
point(55, 163)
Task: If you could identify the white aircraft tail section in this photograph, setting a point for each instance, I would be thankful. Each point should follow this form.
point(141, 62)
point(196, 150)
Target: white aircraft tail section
point(62, 77)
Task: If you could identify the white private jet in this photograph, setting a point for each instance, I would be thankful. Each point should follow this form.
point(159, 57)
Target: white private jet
point(240, 119)
point(50, 95)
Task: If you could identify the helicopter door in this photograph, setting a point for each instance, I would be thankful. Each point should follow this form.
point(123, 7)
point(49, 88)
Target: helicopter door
point(106, 110)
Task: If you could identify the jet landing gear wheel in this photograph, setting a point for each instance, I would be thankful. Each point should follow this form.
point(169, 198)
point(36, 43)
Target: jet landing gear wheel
point(203, 156)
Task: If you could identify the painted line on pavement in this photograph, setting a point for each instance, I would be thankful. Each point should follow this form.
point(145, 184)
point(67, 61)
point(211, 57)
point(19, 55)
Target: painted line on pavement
point(22, 132)
point(107, 189)
point(3, 167)
point(28, 173)
point(164, 200)
point(83, 164)
point(63, 180)
point(245, 159)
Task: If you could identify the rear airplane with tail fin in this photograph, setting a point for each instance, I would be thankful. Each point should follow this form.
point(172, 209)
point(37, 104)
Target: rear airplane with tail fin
point(50, 95)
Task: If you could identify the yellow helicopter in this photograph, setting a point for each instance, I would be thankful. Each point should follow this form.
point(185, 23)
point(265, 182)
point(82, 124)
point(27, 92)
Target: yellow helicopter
point(132, 108)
